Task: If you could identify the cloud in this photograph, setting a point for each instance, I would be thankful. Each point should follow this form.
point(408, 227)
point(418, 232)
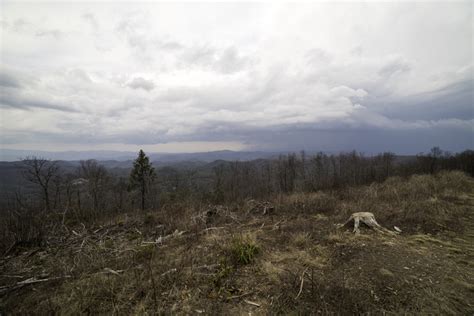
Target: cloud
point(9, 81)
point(237, 73)
point(318, 56)
point(141, 83)
point(226, 60)
point(91, 20)
point(394, 66)
point(345, 91)
point(19, 25)
point(56, 34)
point(169, 45)
point(11, 100)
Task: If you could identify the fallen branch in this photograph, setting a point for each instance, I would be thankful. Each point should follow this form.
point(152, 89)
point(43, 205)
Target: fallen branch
point(10, 249)
point(302, 282)
point(35, 280)
point(29, 281)
point(238, 296)
point(116, 272)
point(252, 303)
point(278, 224)
point(169, 271)
point(212, 228)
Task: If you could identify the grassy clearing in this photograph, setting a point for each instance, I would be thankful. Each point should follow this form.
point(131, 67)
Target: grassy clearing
point(292, 261)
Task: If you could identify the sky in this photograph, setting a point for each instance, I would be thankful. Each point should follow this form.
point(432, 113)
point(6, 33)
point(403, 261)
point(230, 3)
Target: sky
point(189, 77)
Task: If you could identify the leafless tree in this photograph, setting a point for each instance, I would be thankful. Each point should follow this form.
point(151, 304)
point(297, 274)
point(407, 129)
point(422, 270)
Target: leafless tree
point(435, 155)
point(96, 176)
point(41, 172)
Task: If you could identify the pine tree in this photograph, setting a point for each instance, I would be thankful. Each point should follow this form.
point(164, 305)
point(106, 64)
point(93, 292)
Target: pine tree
point(142, 175)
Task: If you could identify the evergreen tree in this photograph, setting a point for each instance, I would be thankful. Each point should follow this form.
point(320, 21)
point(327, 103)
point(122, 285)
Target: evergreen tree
point(142, 175)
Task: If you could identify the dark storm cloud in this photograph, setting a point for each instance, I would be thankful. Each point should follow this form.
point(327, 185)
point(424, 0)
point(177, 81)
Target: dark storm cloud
point(368, 141)
point(8, 80)
point(455, 101)
point(10, 99)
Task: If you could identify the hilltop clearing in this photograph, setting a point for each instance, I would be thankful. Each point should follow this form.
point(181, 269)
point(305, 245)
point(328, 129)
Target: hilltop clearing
point(283, 255)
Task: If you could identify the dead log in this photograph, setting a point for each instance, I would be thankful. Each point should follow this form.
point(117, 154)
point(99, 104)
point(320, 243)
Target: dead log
point(32, 280)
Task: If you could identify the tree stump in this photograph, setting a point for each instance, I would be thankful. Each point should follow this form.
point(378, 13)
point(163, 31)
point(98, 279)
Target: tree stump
point(368, 219)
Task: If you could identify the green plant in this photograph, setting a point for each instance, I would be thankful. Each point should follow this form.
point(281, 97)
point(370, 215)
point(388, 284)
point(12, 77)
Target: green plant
point(243, 250)
point(222, 273)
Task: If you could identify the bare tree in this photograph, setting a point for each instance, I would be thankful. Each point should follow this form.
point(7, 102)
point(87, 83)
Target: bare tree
point(96, 176)
point(388, 158)
point(435, 155)
point(41, 172)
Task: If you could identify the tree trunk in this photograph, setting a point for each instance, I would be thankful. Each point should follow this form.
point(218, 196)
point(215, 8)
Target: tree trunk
point(46, 199)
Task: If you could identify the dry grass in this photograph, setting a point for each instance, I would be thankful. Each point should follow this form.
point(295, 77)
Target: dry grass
point(294, 261)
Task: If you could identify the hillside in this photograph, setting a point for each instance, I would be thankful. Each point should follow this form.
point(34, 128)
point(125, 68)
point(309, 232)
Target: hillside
point(234, 259)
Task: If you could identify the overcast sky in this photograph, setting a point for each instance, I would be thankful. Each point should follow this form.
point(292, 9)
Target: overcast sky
point(197, 77)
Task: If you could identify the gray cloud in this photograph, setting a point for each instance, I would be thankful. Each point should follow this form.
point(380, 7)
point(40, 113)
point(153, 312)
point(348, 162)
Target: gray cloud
point(10, 99)
point(454, 101)
point(141, 83)
point(218, 73)
point(393, 67)
point(7, 80)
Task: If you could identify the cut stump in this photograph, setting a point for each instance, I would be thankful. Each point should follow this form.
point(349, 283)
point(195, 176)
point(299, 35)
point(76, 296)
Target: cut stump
point(368, 219)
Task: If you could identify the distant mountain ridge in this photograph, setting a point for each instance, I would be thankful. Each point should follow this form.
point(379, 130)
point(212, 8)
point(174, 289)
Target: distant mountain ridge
point(122, 156)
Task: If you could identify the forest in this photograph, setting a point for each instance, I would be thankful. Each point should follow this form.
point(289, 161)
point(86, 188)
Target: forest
point(92, 190)
point(261, 236)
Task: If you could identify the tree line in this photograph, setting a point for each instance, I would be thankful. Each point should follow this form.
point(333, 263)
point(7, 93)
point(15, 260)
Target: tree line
point(60, 197)
point(92, 189)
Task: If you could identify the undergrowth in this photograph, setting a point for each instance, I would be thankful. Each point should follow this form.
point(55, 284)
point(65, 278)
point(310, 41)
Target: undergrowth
point(294, 260)
point(243, 250)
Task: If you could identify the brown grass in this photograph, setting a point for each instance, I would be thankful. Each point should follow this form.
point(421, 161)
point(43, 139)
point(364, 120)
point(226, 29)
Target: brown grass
point(303, 265)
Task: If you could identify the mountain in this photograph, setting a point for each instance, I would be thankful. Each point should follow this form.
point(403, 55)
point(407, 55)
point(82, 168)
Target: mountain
point(121, 156)
point(15, 155)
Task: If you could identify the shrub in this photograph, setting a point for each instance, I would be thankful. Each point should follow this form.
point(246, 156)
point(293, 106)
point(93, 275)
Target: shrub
point(24, 229)
point(301, 239)
point(149, 219)
point(243, 250)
